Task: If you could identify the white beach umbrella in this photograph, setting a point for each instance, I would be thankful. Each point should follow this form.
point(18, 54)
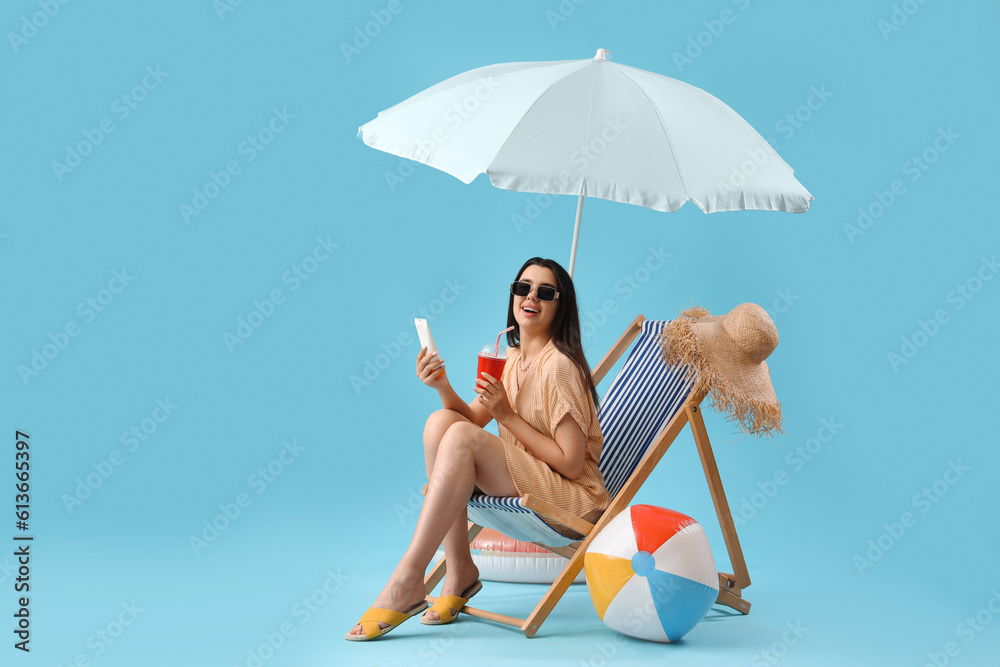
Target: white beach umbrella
point(591, 128)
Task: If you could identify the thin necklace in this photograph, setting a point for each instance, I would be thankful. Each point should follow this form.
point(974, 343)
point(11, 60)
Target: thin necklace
point(524, 366)
point(522, 369)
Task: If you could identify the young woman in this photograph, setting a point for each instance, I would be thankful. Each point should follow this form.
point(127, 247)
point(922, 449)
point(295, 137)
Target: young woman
point(549, 445)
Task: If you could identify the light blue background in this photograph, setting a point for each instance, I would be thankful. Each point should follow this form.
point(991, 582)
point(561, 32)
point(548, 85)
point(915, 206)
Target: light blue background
point(342, 505)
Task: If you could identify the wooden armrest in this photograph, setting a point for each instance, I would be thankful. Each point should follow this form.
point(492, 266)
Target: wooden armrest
point(550, 511)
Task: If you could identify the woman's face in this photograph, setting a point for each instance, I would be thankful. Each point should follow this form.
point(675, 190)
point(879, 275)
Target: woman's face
point(533, 316)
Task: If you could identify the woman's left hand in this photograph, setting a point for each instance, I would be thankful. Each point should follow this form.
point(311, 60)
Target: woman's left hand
point(493, 395)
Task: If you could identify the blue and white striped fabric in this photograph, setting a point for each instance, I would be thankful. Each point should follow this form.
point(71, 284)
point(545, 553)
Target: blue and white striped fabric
point(645, 394)
point(510, 518)
point(642, 399)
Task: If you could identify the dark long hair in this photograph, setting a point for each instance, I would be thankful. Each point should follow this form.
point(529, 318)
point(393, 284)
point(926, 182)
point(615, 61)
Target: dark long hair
point(565, 326)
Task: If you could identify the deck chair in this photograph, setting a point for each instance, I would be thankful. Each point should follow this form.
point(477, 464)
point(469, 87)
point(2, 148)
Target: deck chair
point(643, 411)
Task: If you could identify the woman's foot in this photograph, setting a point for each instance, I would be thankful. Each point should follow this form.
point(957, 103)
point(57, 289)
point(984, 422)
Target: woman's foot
point(400, 593)
point(456, 581)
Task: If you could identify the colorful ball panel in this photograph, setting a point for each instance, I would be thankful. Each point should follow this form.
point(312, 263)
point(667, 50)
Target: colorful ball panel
point(651, 574)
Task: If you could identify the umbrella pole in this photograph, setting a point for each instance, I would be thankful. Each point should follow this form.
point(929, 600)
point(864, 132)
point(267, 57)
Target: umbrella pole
point(576, 235)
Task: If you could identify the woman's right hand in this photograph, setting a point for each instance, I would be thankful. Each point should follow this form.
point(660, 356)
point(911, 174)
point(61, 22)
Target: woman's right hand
point(430, 369)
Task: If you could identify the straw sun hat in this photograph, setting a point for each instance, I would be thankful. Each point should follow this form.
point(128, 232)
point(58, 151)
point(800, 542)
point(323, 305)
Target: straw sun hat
point(725, 355)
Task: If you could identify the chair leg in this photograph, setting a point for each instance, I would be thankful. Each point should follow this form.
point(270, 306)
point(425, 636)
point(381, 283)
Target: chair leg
point(731, 595)
point(730, 585)
point(441, 567)
point(554, 594)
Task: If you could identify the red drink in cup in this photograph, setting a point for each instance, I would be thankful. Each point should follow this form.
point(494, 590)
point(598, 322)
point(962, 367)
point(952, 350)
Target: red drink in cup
point(491, 364)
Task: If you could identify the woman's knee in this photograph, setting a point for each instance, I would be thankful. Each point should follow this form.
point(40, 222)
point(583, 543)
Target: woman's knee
point(461, 435)
point(468, 446)
point(438, 424)
point(463, 429)
point(456, 452)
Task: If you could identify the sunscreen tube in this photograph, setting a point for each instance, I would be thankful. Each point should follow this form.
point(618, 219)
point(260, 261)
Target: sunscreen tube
point(424, 334)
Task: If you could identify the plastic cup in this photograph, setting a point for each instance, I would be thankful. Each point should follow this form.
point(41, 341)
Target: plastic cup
point(490, 364)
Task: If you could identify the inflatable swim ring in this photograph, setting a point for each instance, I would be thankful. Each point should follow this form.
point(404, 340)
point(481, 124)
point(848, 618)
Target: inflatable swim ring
point(502, 558)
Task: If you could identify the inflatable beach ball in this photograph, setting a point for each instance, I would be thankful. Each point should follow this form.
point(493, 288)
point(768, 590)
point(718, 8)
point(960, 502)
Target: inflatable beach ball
point(651, 574)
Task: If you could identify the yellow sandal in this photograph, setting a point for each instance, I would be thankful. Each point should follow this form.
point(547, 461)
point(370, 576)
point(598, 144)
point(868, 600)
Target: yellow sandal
point(446, 603)
point(371, 619)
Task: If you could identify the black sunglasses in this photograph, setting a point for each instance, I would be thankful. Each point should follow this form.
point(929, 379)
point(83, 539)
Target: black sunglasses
point(544, 292)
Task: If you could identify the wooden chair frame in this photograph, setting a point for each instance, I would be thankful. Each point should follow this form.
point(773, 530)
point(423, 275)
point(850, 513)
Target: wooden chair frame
point(730, 585)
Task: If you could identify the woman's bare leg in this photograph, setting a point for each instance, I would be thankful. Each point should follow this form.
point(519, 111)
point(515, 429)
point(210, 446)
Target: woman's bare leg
point(456, 541)
point(461, 571)
point(466, 457)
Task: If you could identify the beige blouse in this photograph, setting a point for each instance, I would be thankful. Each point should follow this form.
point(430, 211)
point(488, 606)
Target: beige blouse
point(551, 389)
